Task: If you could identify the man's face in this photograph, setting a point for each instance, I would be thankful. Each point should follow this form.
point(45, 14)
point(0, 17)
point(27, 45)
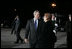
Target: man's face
point(16, 16)
point(53, 17)
point(37, 15)
point(70, 18)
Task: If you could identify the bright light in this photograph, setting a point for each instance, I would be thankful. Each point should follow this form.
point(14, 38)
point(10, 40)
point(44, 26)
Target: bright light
point(53, 4)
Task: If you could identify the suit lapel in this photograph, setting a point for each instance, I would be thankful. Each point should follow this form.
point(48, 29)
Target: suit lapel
point(38, 24)
point(33, 24)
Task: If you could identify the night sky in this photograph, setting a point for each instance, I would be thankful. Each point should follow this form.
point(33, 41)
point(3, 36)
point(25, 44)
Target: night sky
point(25, 9)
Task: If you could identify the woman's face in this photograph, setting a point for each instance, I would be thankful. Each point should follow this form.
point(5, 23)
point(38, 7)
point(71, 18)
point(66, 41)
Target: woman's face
point(46, 16)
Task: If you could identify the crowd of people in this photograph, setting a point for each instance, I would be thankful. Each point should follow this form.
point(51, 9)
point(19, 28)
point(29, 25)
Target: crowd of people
point(40, 33)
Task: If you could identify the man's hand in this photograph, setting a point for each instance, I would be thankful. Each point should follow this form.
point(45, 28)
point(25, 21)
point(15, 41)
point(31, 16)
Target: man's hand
point(26, 40)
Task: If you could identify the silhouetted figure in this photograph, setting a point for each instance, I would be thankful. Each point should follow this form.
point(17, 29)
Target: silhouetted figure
point(32, 28)
point(54, 23)
point(69, 33)
point(17, 28)
point(47, 37)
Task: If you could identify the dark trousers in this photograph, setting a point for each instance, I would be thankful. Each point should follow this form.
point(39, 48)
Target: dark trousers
point(45, 45)
point(42, 45)
point(69, 40)
point(32, 45)
point(69, 44)
point(18, 36)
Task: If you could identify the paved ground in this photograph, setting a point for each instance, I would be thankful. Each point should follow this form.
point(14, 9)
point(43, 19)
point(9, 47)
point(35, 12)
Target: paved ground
point(7, 40)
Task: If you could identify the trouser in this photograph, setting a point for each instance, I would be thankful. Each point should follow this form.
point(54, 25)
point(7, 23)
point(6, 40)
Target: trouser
point(32, 45)
point(18, 36)
point(69, 44)
point(42, 45)
point(45, 45)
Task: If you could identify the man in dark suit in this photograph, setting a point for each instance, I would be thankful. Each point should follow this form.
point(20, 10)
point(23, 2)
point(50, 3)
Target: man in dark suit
point(32, 29)
point(16, 28)
point(69, 33)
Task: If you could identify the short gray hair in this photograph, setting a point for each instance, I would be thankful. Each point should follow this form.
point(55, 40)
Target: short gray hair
point(35, 12)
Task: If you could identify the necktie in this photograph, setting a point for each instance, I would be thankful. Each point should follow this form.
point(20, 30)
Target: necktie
point(35, 24)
